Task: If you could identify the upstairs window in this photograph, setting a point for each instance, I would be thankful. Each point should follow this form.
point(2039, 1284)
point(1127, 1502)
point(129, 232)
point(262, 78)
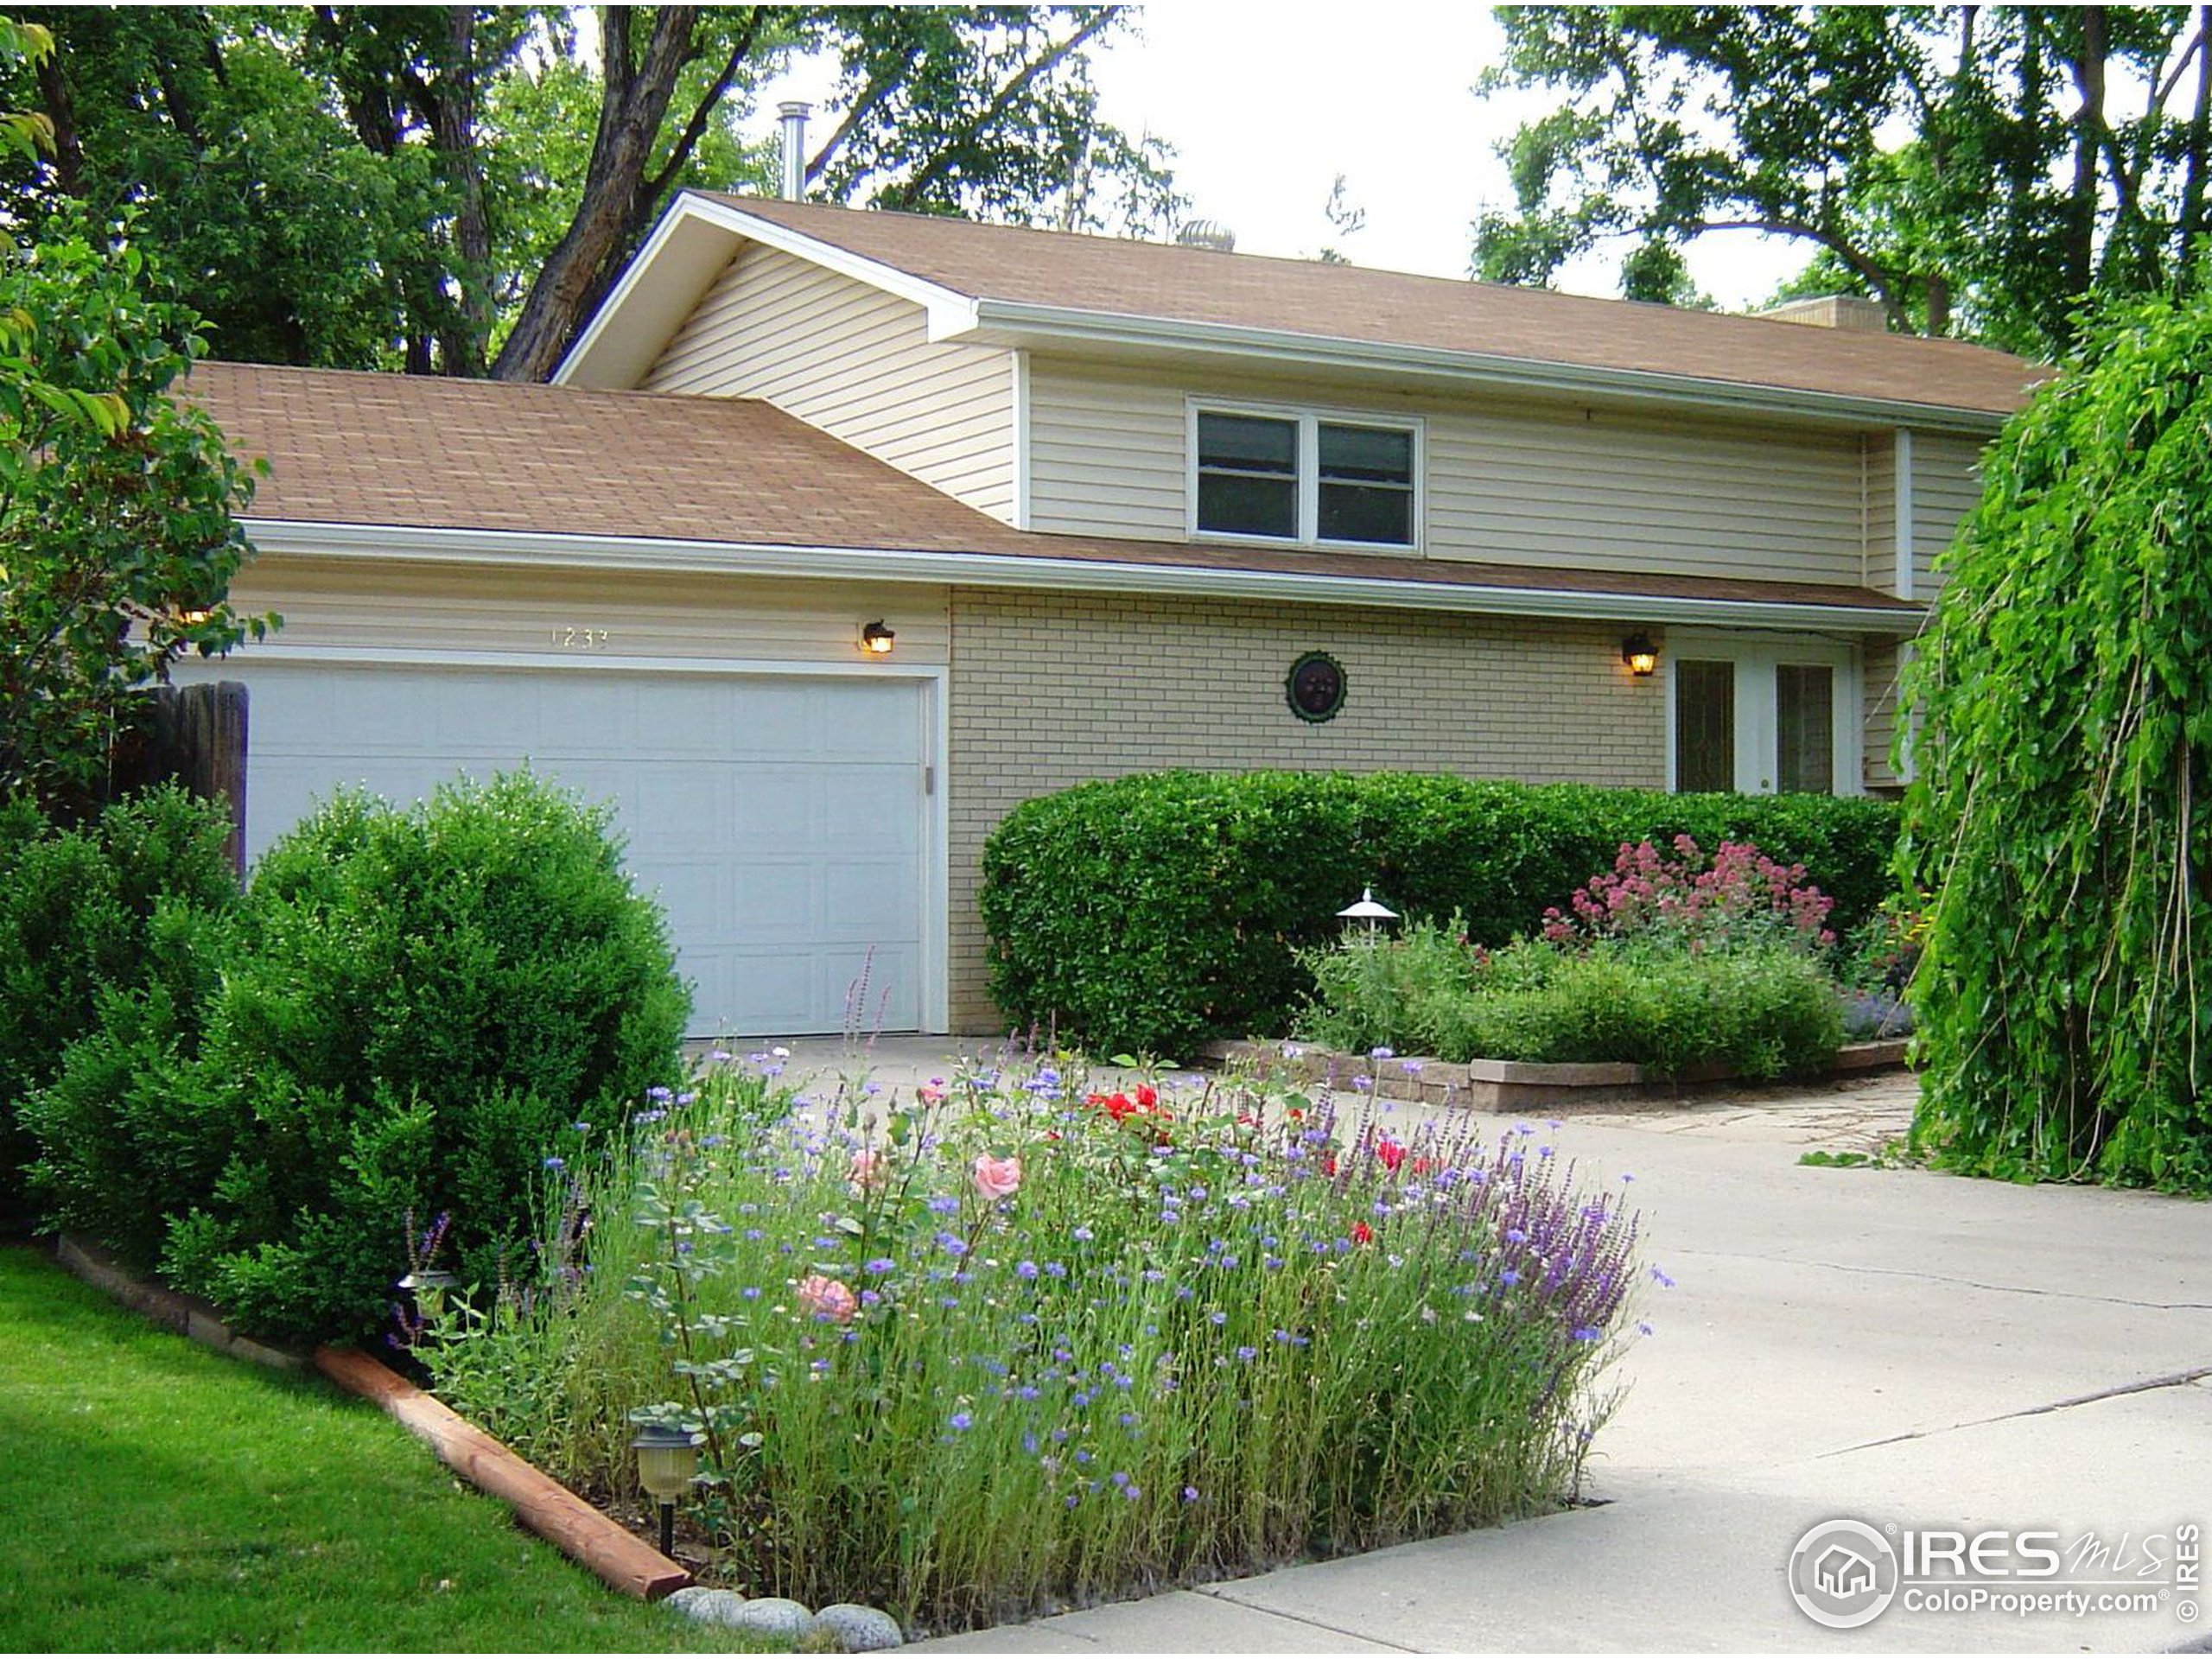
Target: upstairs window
point(1303, 477)
point(1247, 475)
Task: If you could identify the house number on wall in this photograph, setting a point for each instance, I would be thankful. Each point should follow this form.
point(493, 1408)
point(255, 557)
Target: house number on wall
point(580, 638)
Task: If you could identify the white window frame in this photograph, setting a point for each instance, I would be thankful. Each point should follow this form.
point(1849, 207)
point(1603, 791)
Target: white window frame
point(1309, 419)
point(1756, 656)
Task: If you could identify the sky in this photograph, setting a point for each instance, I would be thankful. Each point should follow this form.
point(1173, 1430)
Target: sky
point(1267, 103)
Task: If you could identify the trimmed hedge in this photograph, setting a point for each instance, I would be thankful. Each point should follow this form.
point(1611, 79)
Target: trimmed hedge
point(83, 910)
point(1154, 912)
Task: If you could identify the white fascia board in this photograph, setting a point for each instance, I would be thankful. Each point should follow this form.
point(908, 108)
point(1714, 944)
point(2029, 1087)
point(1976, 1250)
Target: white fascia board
point(414, 544)
point(670, 260)
point(949, 313)
point(1016, 322)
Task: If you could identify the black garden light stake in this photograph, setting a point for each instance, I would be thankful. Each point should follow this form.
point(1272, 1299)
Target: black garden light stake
point(667, 1460)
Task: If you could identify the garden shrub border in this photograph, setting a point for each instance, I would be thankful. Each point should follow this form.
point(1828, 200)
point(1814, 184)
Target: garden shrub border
point(1151, 912)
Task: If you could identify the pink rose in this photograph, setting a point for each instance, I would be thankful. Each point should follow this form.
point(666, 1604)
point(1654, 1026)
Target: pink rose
point(823, 1298)
point(869, 1169)
point(997, 1178)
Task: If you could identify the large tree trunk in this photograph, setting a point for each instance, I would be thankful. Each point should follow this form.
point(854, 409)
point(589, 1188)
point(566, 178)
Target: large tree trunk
point(453, 101)
point(68, 151)
point(635, 98)
point(2079, 241)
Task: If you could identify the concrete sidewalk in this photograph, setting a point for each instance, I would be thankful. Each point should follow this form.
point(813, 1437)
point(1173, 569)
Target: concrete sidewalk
point(1905, 1348)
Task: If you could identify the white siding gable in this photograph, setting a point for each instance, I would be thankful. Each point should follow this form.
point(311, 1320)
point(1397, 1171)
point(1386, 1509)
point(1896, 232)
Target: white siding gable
point(856, 363)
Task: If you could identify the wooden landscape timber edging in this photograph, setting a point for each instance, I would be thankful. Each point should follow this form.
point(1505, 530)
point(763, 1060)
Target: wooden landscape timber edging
point(185, 1315)
point(1511, 1085)
point(622, 1561)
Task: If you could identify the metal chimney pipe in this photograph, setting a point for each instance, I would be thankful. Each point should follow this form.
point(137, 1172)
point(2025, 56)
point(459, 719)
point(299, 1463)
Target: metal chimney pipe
point(794, 116)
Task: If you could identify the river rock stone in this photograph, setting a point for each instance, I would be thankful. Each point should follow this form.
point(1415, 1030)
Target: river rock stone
point(860, 1630)
point(775, 1616)
point(708, 1606)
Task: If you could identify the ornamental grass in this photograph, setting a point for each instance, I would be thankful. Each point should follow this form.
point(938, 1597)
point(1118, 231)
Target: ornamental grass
point(1018, 1344)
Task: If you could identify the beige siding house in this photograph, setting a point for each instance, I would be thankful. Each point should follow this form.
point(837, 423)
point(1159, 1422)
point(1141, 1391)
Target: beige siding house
point(1102, 496)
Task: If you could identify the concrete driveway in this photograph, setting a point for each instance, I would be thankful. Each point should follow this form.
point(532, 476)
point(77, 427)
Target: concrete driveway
point(1913, 1351)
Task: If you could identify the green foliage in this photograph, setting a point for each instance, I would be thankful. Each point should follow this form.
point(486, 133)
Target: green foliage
point(1154, 912)
point(1023, 1344)
point(410, 1012)
point(1763, 1009)
point(118, 542)
point(2060, 822)
point(2037, 165)
point(210, 1506)
point(376, 187)
point(90, 910)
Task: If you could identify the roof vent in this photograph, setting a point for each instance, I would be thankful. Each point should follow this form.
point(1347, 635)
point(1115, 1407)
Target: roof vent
point(1210, 233)
point(794, 116)
point(1847, 311)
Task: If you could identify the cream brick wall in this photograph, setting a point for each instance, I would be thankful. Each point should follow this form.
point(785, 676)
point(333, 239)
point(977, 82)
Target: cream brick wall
point(1052, 690)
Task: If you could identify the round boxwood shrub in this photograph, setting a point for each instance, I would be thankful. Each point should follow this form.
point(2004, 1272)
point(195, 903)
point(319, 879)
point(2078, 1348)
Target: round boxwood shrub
point(411, 1011)
point(1152, 912)
point(2063, 820)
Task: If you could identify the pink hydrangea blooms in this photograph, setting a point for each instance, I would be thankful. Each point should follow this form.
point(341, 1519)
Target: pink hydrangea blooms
point(1739, 894)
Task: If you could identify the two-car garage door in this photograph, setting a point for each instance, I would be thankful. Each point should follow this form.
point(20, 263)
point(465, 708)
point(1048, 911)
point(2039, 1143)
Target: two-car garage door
point(782, 820)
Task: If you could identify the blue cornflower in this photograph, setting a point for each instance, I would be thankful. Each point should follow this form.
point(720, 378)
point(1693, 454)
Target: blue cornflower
point(1082, 1235)
point(1247, 1353)
point(556, 1163)
point(1024, 1269)
point(877, 1264)
point(961, 1420)
point(1659, 1277)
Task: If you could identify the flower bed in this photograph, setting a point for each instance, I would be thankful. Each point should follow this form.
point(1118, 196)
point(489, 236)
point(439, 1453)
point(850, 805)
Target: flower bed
point(1671, 967)
point(1018, 1344)
point(1493, 1085)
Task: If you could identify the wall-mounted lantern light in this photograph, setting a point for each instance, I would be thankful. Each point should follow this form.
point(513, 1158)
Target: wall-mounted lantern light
point(876, 639)
point(667, 1460)
point(1367, 910)
point(1640, 654)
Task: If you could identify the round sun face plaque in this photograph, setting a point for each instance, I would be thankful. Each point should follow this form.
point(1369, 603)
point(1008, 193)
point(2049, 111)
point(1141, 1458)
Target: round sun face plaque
point(1315, 687)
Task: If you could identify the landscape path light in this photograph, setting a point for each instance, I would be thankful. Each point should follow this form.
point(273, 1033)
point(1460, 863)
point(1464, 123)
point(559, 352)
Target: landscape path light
point(667, 1460)
point(1367, 910)
point(426, 1288)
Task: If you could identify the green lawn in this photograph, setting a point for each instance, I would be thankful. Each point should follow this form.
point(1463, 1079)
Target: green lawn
point(155, 1496)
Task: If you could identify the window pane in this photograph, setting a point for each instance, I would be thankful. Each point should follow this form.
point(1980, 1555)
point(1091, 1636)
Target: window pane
point(1237, 504)
point(1248, 443)
point(1805, 726)
point(1704, 726)
point(1353, 513)
point(1366, 454)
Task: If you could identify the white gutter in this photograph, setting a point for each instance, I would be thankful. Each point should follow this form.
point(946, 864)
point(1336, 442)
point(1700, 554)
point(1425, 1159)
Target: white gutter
point(414, 544)
point(1020, 322)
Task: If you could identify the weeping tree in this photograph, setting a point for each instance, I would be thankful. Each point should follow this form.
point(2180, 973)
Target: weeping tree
point(2062, 825)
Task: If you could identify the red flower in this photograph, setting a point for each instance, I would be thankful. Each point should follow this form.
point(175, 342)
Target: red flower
point(1362, 1233)
point(1329, 1163)
point(1147, 1096)
point(1390, 1154)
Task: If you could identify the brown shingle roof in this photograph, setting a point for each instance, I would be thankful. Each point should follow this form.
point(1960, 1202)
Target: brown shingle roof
point(1117, 277)
point(358, 449)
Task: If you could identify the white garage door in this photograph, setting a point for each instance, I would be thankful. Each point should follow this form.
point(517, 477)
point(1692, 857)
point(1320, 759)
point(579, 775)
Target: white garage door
point(780, 820)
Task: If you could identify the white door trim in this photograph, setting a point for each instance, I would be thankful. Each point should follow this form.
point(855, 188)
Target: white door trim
point(935, 873)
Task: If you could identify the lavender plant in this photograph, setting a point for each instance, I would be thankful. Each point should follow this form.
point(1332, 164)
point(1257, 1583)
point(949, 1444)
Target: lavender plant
point(1018, 1343)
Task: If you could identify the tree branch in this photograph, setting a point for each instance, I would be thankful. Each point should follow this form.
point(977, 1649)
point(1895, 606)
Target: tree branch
point(1043, 64)
point(696, 128)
